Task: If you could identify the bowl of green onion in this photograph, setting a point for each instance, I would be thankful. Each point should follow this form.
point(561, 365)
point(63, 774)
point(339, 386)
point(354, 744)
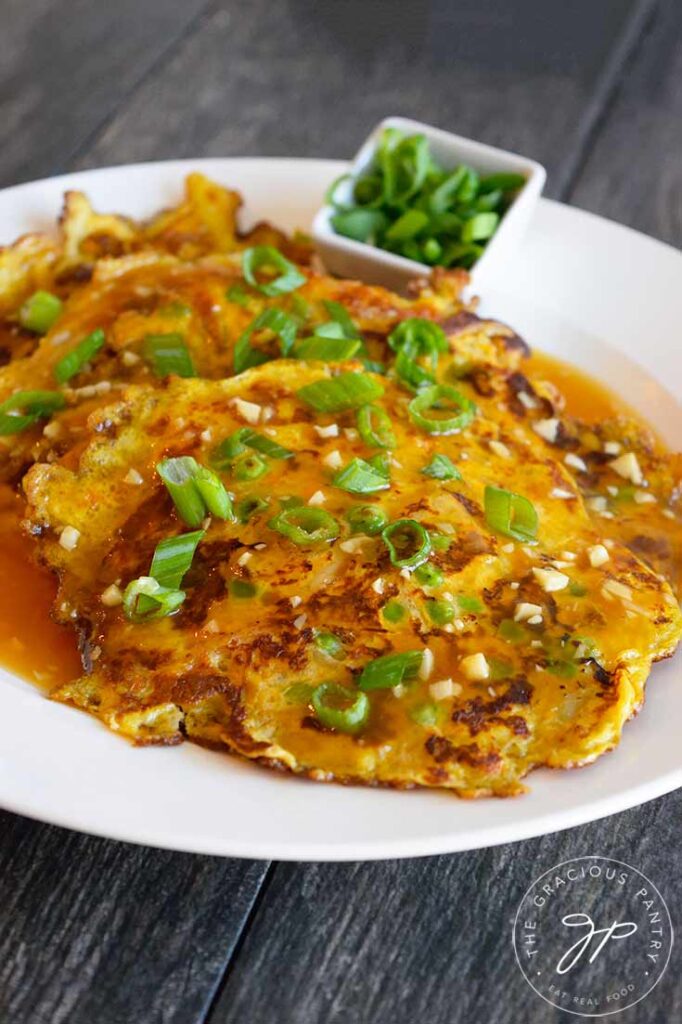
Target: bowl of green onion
point(416, 197)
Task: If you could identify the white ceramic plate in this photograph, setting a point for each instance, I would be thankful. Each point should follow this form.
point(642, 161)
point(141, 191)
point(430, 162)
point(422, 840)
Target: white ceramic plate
point(599, 294)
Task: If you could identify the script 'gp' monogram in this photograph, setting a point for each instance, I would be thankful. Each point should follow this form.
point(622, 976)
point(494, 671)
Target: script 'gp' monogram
point(617, 930)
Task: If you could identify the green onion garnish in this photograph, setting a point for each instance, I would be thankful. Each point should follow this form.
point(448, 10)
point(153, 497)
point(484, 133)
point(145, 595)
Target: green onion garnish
point(428, 575)
point(408, 543)
point(335, 394)
point(195, 490)
point(390, 670)
point(249, 507)
point(419, 337)
point(359, 477)
point(24, 408)
point(173, 557)
point(71, 364)
point(341, 316)
point(442, 468)
point(440, 612)
point(329, 644)
point(298, 693)
point(304, 525)
point(264, 257)
point(281, 324)
point(427, 714)
point(393, 611)
point(511, 631)
point(374, 426)
point(339, 708)
point(145, 599)
point(458, 411)
point(40, 311)
point(405, 202)
point(235, 293)
point(243, 589)
point(469, 604)
point(224, 454)
point(510, 514)
point(249, 467)
point(327, 349)
point(366, 519)
point(168, 353)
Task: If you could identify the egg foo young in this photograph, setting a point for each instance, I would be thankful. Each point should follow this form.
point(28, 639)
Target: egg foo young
point(318, 525)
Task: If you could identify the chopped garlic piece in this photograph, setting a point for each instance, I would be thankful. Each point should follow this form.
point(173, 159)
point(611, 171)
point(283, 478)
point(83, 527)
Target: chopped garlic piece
point(597, 503)
point(559, 492)
point(405, 573)
point(645, 498)
point(331, 430)
point(526, 610)
point(354, 544)
point(475, 667)
point(318, 498)
point(568, 555)
point(69, 537)
point(597, 555)
point(548, 429)
point(300, 621)
point(295, 601)
point(617, 589)
point(378, 585)
point(129, 358)
point(206, 435)
point(351, 433)
point(112, 596)
point(333, 459)
point(526, 400)
point(133, 477)
point(248, 411)
point(427, 662)
point(550, 579)
point(628, 467)
point(245, 557)
point(507, 548)
point(575, 462)
point(535, 620)
point(444, 688)
point(499, 448)
point(52, 430)
point(612, 448)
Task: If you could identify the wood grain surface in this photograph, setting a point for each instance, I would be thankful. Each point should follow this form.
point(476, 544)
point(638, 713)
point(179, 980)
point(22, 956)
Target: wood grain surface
point(97, 932)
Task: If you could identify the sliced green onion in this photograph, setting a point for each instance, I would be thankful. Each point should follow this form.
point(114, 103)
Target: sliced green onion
point(331, 329)
point(381, 462)
point(440, 612)
point(408, 543)
point(40, 311)
point(469, 604)
point(304, 525)
point(339, 708)
point(265, 257)
point(366, 519)
point(335, 394)
point(249, 467)
point(411, 373)
point(243, 589)
point(168, 354)
point(419, 337)
point(330, 194)
point(360, 225)
point(374, 426)
point(428, 575)
point(511, 631)
point(499, 669)
point(358, 477)
point(390, 670)
point(427, 714)
point(298, 693)
point(235, 293)
point(562, 669)
point(510, 514)
point(480, 227)
point(24, 408)
point(576, 589)
point(327, 349)
point(393, 611)
point(440, 542)
point(173, 557)
point(246, 355)
point(195, 490)
point(71, 364)
point(329, 644)
point(145, 599)
point(441, 398)
point(341, 316)
point(224, 454)
point(442, 468)
point(407, 226)
point(502, 182)
point(249, 507)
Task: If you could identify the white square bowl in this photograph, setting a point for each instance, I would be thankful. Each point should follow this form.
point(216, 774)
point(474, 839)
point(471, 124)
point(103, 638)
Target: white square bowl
point(348, 258)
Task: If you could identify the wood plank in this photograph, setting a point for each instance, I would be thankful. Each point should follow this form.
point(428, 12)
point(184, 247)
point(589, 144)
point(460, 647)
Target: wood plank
point(633, 173)
point(427, 940)
point(304, 79)
point(66, 65)
point(92, 930)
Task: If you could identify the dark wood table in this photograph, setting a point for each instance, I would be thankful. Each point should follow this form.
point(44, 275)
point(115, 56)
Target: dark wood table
point(99, 932)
